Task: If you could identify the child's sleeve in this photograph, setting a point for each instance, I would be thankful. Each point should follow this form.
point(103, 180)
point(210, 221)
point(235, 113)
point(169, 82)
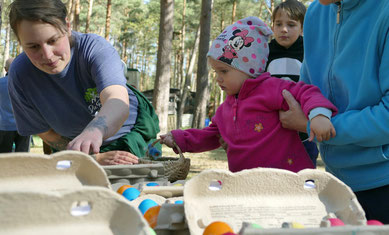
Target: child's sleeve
point(197, 140)
point(308, 96)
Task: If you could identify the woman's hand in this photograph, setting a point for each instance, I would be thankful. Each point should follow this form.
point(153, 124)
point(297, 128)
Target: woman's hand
point(294, 118)
point(89, 141)
point(116, 157)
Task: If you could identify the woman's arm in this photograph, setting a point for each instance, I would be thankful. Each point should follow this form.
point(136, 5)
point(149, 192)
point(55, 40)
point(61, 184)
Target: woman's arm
point(113, 113)
point(55, 140)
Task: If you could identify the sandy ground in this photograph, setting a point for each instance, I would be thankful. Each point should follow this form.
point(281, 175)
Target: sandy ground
point(216, 159)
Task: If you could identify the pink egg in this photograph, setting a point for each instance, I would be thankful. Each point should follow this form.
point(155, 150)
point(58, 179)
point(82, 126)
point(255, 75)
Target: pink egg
point(374, 222)
point(336, 222)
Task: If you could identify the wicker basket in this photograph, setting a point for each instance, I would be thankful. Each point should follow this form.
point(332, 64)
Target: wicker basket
point(174, 168)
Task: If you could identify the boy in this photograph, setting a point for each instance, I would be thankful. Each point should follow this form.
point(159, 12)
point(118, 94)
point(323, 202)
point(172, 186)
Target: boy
point(287, 51)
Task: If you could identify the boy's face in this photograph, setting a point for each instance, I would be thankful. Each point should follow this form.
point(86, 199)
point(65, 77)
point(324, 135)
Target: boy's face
point(286, 30)
point(229, 79)
point(327, 2)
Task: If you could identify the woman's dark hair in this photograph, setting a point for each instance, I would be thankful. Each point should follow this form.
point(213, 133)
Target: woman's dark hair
point(48, 11)
point(295, 10)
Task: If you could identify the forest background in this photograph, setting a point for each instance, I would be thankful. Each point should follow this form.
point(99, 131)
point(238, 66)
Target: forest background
point(165, 40)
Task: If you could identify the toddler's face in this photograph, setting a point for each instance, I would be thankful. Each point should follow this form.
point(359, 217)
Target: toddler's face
point(229, 79)
point(286, 30)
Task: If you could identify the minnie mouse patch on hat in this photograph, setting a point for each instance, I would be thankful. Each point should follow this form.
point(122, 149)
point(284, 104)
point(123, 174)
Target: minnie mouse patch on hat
point(243, 45)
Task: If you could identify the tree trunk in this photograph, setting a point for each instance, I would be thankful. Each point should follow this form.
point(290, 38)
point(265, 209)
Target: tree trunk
point(90, 8)
point(7, 42)
point(1, 13)
point(70, 7)
point(76, 22)
point(108, 20)
point(187, 83)
point(182, 67)
point(202, 69)
point(233, 11)
point(162, 81)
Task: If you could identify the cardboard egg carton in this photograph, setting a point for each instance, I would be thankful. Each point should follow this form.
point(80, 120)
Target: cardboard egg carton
point(87, 210)
point(270, 197)
point(171, 217)
point(343, 230)
point(60, 171)
point(132, 174)
point(164, 188)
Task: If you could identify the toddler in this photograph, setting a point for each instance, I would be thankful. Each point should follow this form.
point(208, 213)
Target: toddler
point(248, 119)
point(286, 52)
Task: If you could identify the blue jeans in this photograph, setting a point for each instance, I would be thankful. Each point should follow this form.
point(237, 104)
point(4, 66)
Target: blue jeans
point(375, 203)
point(312, 150)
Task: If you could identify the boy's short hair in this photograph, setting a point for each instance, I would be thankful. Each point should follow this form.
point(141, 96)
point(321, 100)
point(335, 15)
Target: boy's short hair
point(295, 10)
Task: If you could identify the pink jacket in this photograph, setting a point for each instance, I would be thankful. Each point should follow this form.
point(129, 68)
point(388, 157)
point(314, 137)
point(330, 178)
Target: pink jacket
point(250, 125)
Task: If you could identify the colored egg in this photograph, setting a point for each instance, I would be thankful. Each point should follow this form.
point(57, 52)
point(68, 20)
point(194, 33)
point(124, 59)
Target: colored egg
point(217, 228)
point(131, 193)
point(179, 202)
point(152, 232)
point(152, 184)
point(146, 204)
point(256, 226)
point(151, 215)
point(374, 222)
point(292, 225)
point(123, 187)
point(336, 222)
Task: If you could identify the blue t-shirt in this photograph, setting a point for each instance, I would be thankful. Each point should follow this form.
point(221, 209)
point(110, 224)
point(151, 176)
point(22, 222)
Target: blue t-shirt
point(66, 102)
point(7, 120)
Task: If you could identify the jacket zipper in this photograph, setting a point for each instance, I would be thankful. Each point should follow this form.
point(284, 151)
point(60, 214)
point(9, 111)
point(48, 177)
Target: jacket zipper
point(331, 96)
point(234, 109)
point(338, 12)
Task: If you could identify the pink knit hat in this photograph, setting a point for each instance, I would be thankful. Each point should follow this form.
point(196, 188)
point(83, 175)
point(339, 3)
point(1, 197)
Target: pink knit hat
point(243, 45)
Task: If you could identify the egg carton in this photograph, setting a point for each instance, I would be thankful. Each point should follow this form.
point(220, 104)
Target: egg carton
point(132, 174)
point(171, 216)
point(60, 171)
point(269, 197)
point(162, 188)
point(87, 210)
point(339, 230)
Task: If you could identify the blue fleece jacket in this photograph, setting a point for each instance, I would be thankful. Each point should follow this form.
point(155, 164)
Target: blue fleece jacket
point(347, 57)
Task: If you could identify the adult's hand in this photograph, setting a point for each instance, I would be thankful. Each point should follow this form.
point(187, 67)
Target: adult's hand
point(116, 157)
point(89, 141)
point(294, 118)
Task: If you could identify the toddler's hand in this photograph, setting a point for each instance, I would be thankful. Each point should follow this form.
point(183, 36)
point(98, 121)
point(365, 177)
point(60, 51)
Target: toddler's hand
point(167, 139)
point(321, 128)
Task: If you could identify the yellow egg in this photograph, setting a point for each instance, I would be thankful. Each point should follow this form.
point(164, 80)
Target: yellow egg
point(151, 215)
point(124, 187)
point(217, 228)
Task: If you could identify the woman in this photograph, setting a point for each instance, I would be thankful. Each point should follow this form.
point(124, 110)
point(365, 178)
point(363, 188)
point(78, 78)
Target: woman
point(346, 46)
point(69, 88)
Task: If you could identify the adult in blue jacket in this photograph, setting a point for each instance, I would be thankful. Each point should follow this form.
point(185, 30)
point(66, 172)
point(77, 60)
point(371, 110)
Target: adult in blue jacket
point(347, 56)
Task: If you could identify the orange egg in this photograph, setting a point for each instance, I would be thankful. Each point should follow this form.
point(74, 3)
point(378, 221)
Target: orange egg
point(151, 215)
point(124, 187)
point(217, 228)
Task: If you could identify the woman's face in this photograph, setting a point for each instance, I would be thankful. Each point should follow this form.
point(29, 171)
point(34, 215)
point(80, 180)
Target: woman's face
point(46, 46)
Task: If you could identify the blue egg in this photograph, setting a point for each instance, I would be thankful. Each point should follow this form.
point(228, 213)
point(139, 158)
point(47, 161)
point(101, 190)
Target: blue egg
point(131, 193)
point(146, 204)
point(152, 184)
point(179, 202)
